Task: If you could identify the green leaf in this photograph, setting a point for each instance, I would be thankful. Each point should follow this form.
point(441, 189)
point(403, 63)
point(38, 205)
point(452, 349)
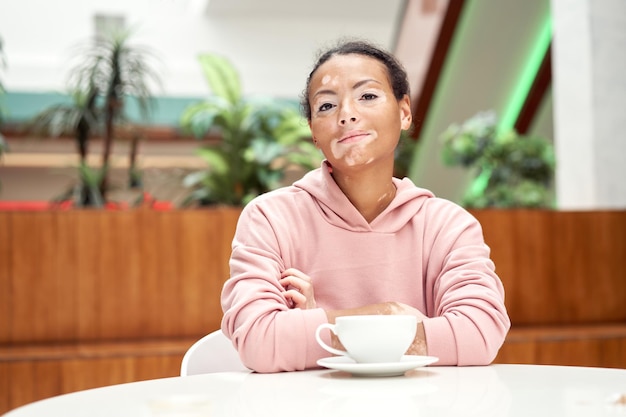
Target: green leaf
point(215, 159)
point(222, 77)
point(198, 119)
point(264, 151)
point(195, 178)
point(292, 129)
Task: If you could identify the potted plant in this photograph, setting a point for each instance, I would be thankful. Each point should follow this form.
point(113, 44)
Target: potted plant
point(511, 170)
point(119, 71)
point(110, 71)
point(259, 138)
point(404, 155)
point(78, 117)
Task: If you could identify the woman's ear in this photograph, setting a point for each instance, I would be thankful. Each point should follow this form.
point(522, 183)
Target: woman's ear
point(406, 117)
point(312, 136)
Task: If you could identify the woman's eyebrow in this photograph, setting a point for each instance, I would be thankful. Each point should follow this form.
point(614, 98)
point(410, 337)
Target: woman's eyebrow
point(354, 87)
point(322, 92)
point(365, 81)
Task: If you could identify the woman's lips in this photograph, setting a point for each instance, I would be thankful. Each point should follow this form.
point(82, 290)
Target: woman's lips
point(352, 137)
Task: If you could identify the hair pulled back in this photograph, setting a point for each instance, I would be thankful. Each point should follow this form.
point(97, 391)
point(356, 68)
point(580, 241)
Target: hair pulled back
point(395, 70)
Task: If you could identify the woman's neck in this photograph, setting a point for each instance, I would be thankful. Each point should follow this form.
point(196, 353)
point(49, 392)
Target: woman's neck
point(370, 192)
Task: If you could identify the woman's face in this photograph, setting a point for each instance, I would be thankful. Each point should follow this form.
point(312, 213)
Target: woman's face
point(355, 117)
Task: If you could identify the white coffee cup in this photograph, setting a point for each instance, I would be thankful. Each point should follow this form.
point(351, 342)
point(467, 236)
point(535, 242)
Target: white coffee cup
point(371, 338)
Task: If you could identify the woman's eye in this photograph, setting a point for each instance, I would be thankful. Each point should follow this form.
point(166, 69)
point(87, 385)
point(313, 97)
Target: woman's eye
point(369, 96)
point(325, 106)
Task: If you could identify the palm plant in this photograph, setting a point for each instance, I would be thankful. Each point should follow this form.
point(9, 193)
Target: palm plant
point(259, 139)
point(80, 118)
point(108, 73)
point(117, 70)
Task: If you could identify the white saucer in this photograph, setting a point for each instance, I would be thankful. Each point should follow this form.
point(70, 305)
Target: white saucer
point(408, 362)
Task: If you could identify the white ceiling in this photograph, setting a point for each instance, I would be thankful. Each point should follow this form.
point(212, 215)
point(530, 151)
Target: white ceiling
point(386, 10)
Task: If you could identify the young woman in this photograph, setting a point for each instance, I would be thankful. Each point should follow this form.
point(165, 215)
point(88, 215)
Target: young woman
point(349, 238)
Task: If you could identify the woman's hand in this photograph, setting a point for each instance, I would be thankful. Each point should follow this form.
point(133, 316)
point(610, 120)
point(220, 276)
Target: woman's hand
point(418, 347)
point(390, 307)
point(298, 289)
point(393, 307)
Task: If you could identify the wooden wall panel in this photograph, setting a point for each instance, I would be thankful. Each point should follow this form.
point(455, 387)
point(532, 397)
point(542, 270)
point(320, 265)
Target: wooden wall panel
point(591, 249)
point(98, 275)
point(559, 267)
point(199, 278)
point(23, 382)
point(6, 291)
point(41, 308)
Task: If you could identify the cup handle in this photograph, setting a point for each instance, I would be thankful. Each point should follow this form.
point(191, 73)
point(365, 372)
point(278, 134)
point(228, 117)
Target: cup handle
point(330, 327)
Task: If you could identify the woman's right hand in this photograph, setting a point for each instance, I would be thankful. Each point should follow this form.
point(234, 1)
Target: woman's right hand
point(298, 289)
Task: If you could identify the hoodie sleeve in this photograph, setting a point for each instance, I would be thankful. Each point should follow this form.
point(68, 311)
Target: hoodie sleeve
point(269, 335)
point(469, 321)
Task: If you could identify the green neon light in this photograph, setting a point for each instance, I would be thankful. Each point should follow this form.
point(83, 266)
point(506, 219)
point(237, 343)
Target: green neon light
point(512, 111)
point(479, 184)
point(533, 63)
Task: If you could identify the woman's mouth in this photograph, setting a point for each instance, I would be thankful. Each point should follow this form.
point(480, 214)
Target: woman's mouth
point(354, 136)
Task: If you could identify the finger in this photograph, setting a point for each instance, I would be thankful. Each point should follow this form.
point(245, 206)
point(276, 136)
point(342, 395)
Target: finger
point(298, 299)
point(295, 273)
point(287, 283)
point(296, 283)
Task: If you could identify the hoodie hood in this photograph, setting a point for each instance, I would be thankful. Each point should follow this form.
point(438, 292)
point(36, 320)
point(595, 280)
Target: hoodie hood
point(339, 211)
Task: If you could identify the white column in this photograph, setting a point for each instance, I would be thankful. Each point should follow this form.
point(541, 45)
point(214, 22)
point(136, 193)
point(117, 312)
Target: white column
point(589, 87)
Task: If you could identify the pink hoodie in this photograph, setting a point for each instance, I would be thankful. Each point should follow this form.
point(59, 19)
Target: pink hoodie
point(422, 251)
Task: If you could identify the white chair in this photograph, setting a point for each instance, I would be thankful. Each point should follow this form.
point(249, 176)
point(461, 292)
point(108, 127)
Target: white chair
point(213, 353)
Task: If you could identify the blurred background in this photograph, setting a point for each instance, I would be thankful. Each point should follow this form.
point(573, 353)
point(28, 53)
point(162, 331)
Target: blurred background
point(546, 70)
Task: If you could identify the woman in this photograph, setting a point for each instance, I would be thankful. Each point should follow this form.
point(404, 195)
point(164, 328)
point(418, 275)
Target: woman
point(349, 238)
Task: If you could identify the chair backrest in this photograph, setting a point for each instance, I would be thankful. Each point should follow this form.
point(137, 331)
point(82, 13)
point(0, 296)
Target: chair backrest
point(213, 353)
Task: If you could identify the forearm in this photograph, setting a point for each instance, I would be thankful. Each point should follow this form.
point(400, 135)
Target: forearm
point(418, 347)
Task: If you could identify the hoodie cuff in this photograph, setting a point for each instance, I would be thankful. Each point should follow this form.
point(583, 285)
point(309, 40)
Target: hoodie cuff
point(440, 340)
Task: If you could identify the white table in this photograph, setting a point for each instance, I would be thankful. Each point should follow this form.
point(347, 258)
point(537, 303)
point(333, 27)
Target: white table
point(497, 390)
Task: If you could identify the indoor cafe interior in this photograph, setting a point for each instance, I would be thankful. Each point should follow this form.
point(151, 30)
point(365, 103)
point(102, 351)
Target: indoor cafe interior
point(114, 249)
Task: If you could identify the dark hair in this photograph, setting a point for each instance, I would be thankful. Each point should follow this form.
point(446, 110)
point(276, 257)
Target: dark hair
point(395, 70)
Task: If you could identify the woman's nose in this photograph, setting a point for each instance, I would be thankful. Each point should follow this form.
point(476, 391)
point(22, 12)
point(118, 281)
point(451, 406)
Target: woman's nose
point(347, 113)
point(344, 120)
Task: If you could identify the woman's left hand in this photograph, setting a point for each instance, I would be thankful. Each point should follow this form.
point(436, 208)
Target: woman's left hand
point(298, 289)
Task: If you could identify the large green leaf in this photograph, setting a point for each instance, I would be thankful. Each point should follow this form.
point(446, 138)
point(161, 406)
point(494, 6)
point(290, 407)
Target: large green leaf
point(222, 77)
point(201, 117)
point(292, 129)
point(215, 159)
point(263, 151)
